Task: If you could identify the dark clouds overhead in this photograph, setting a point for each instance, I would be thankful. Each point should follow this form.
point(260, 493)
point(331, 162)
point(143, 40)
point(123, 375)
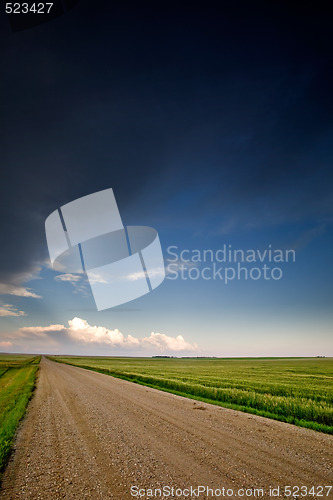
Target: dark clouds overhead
point(217, 105)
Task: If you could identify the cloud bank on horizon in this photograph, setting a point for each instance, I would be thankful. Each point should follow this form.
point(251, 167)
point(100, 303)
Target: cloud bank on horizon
point(79, 337)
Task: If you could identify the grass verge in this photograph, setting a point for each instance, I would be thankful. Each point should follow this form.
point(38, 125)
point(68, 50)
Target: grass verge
point(17, 382)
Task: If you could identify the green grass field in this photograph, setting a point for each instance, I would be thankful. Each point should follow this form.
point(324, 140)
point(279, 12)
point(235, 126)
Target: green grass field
point(17, 381)
point(294, 390)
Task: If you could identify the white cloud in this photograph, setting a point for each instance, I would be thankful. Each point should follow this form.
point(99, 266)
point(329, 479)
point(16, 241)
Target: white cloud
point(78, 281)
point(157, 271)
point(19, 291)
point(139, 275)
point(79, 329)
point(10, 310)
point(165, 342)
point(71, 278)
point(97, 278)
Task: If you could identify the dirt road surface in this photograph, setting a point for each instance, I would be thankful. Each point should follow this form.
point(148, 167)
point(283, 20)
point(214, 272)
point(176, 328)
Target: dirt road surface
point(88, 435)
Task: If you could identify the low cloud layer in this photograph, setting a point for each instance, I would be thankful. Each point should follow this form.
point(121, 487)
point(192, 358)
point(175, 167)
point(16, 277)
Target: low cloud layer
point(79, 337)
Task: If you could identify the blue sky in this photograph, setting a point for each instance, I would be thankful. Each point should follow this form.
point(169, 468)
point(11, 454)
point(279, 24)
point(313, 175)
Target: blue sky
point(213, 130)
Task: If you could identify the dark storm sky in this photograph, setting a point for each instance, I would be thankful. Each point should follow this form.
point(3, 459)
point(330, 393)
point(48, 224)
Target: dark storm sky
point(198, 111)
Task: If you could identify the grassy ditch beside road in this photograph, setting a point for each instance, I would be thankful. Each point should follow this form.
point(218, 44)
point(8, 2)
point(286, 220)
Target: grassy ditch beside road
point(293, 390)
point(17, 382)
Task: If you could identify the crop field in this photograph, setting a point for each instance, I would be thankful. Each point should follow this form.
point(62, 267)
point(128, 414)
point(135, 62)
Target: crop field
point(294, 390)
point(17, 381)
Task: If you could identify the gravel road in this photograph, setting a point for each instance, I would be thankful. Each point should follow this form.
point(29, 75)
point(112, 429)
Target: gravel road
point(88, 435)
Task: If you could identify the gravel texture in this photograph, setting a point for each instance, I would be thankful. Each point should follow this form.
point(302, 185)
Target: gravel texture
point(88, 435)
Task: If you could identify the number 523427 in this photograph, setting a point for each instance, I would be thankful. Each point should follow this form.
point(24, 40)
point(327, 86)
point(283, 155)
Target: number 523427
point(25, 8)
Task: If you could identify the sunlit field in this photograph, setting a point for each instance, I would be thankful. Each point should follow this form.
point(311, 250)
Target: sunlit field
point(294, 390)
point(17, 381)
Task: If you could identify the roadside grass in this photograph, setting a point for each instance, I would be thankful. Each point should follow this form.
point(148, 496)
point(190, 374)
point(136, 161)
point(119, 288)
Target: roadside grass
point(294, 390)
point(17, 382)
